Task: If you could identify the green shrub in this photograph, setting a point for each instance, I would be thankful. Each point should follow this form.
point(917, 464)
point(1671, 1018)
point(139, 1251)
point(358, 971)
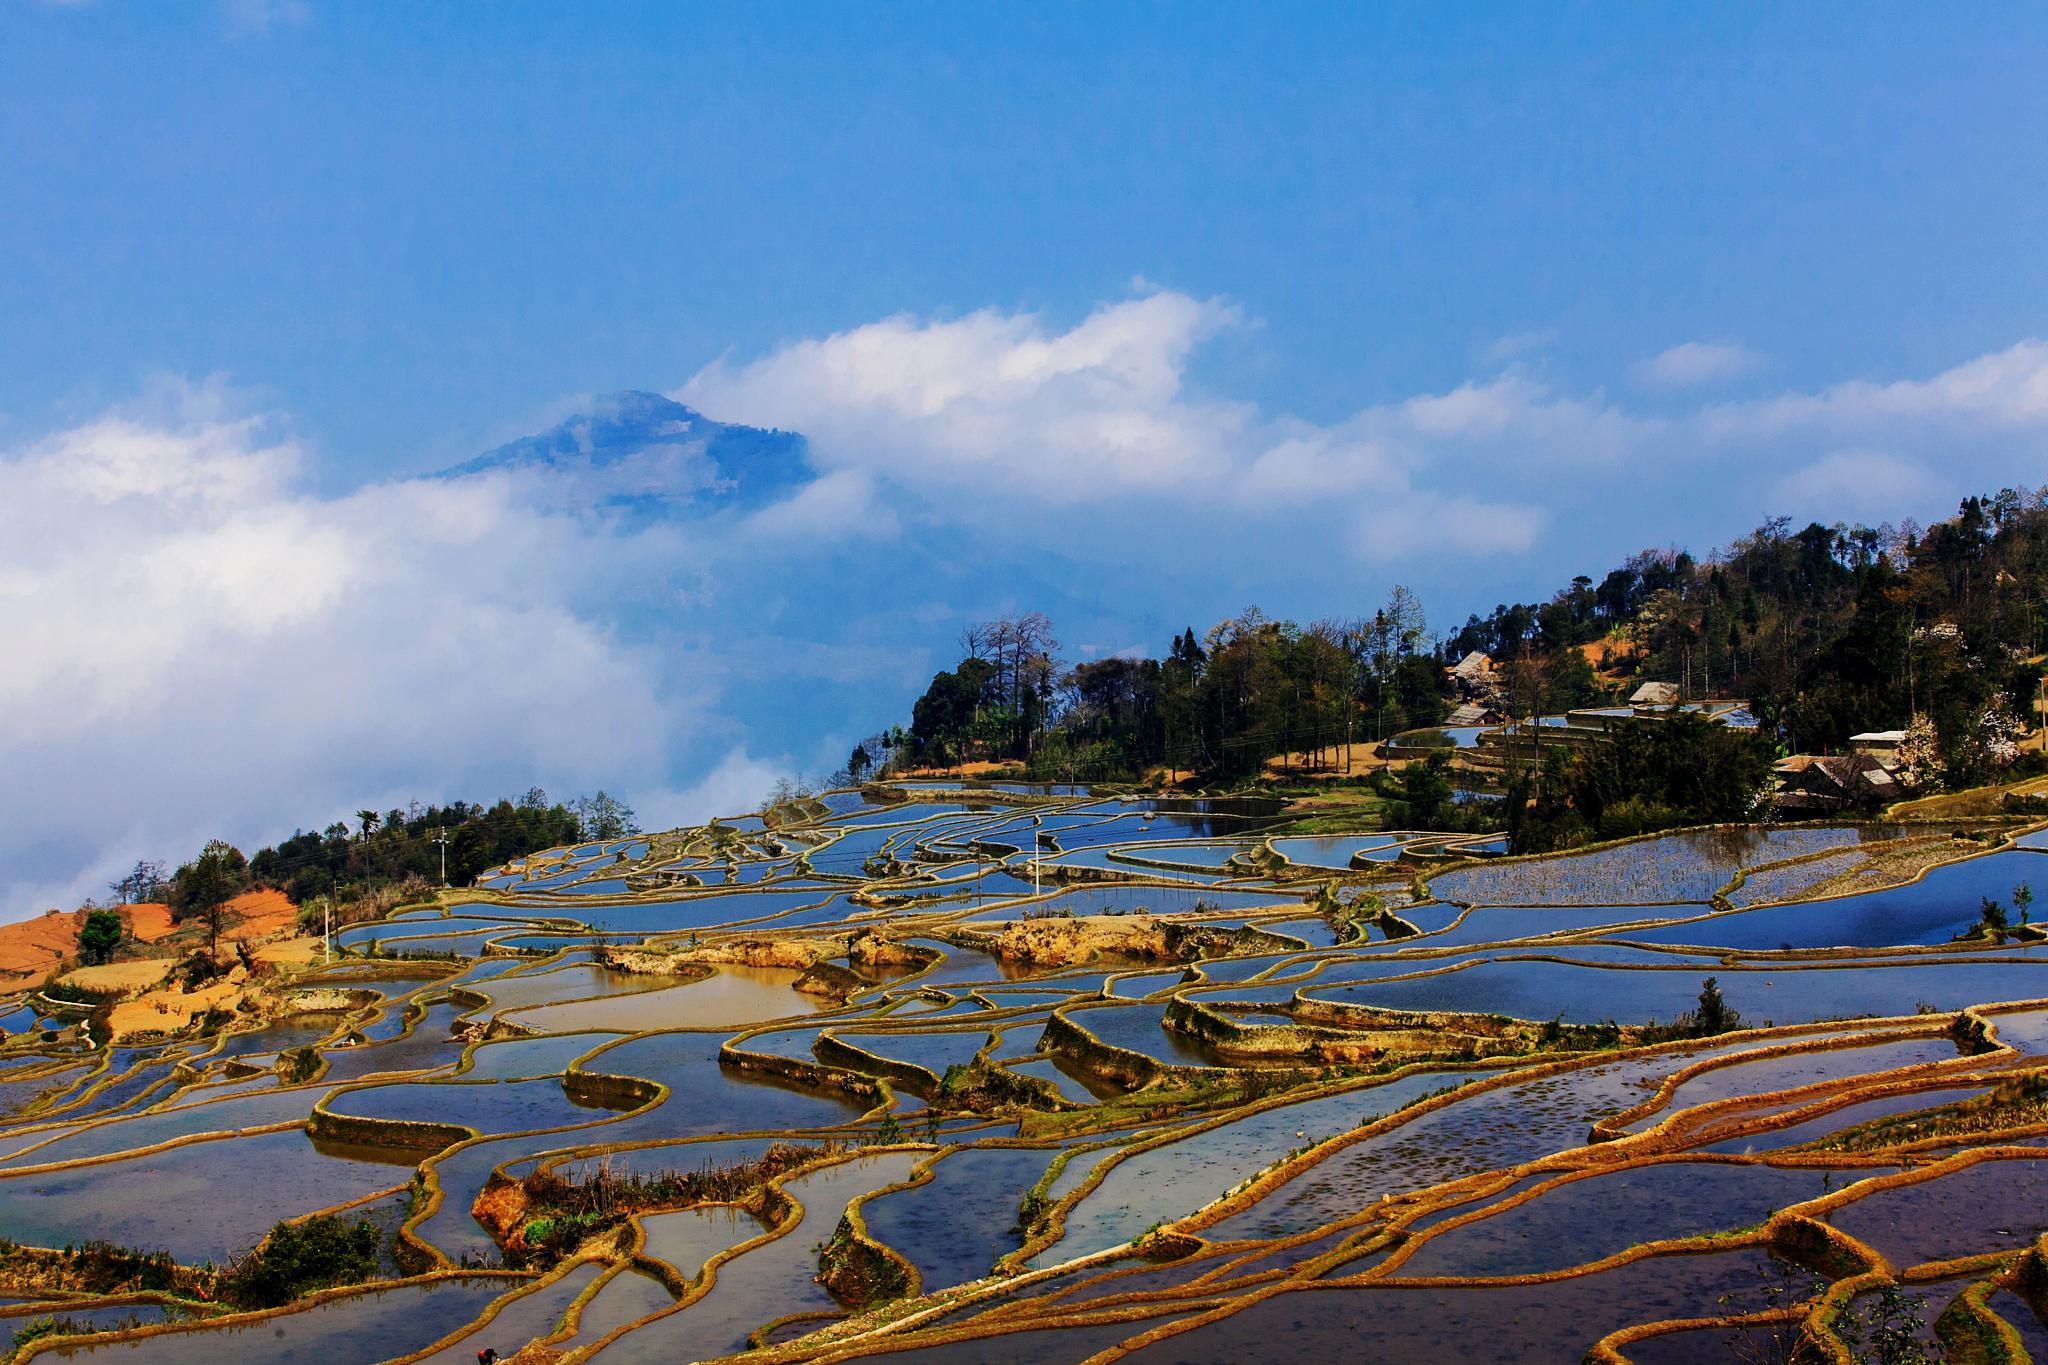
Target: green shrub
point(100, 936)
point(72, 994)
point(1713, 1015)
point(42, 1327)
point(37, 1329)
point(1991, 917)
point(561, 1232)
point(297, 1258)
point(565, 1212)
point(104, 1268)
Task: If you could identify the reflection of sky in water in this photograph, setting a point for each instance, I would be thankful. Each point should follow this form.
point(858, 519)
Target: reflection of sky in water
point(213, 1198)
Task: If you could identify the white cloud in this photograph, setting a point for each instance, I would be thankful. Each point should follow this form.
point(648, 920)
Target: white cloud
point(840, 506)
point(1435, 526)
point(1316, 463)
point(1516, 345)
point(992, 415)
point(736, 784)
point(996, 399)
point(1697, 364)
point(1867, 484)
point(199, 646)
point(2002, 391)
point(1513, 417)
point(1091, 443)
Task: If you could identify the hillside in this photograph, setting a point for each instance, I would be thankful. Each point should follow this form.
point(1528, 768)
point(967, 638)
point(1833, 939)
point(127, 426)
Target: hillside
point(643, 449)
point(1825, 632)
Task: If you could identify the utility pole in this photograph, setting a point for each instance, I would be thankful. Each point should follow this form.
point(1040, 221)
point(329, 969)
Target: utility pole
point(327, 928)
point(441, 838)
point(1036, 849)
point(2041, 709)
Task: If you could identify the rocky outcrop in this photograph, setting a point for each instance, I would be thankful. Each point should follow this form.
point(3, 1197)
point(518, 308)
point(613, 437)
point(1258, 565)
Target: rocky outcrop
point(1061, 941)
point(871, 949)
point(830, 981)
point(799, 954)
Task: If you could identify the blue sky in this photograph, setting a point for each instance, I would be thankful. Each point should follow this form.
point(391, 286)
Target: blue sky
point(1137, 312)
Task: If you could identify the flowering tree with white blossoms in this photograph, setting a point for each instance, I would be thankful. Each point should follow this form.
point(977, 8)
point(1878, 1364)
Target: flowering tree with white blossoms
point(1994, 742)
point(1988, 743)
point(1919, 756)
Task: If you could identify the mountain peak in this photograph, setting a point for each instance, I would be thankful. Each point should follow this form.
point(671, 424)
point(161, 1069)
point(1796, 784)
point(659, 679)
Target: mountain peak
point(641, 446)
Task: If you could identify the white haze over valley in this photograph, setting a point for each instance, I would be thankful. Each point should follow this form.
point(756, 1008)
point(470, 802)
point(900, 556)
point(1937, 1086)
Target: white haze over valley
point(203, 643)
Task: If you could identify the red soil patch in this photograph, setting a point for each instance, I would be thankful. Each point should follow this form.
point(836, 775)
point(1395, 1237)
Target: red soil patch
point(980, 767)
point(253, 914)
point(1337, 761)
point(148, 921)
point(30, 948)
point(1610, 657)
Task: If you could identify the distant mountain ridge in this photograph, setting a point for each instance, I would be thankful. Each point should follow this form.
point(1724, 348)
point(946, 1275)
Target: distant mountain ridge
point(637, 446)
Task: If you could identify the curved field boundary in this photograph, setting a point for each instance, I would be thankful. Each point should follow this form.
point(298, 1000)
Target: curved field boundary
point(181, 1140)
point(781, 1211)
point(59, 1346)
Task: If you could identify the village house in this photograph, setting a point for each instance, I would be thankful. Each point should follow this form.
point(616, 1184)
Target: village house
point(1474, 713)
point(1474, 676)
point(1883, 743)
point(1811, 783)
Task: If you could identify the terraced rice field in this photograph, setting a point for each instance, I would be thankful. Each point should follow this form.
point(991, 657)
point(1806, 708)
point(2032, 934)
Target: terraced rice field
point(809, 1092)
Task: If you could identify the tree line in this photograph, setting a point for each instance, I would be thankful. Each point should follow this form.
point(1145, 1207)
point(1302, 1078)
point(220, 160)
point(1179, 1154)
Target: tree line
point(350, 861)
point(1824, 630)
point(1219, 703)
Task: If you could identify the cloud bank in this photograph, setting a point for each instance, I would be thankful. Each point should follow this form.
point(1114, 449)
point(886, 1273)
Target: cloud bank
point(982, 413)
point(201, 645)
point(1697, 364)
point(1044, 435)
point(204, 645)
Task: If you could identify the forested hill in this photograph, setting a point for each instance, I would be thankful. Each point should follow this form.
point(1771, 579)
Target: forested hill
point(381, 858)
point(1825, 630)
